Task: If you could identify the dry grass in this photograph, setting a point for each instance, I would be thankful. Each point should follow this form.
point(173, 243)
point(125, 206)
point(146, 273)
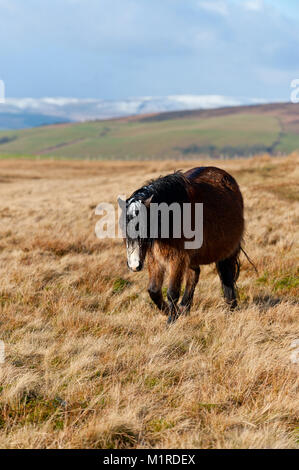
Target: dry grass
point(89, 361)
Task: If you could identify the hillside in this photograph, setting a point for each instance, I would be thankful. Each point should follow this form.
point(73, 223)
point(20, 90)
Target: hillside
point(223, 132)
point(89, 360)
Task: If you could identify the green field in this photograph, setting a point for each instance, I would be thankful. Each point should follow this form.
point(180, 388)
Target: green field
point(230, 132)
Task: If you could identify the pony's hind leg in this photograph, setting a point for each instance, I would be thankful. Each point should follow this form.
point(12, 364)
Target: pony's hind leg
point(156, 277)
point(228, 271)
point(191, 282)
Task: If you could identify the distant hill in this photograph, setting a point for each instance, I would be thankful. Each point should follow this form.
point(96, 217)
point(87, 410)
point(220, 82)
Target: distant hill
point(222, 132)
point(17, 113)
point(10, 121)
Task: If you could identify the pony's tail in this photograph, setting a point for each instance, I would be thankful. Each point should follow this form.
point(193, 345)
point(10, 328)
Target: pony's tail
point(248, 259)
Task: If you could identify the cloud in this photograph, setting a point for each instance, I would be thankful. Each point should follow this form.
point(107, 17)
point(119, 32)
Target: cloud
point(254, 5)
point(119, 48)
point(214, 6)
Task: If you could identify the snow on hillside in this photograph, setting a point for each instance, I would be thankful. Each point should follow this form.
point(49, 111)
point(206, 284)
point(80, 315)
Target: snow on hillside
point(74, 109)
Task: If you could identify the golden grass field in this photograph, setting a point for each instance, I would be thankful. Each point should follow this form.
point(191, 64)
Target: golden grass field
point(89, 360)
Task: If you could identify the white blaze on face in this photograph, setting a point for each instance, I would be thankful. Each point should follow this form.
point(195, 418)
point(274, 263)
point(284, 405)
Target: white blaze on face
point(133, 246)
point(133, 208)
point(133, 254)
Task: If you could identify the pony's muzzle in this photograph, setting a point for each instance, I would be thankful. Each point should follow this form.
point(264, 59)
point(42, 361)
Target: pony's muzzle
point(135, 268)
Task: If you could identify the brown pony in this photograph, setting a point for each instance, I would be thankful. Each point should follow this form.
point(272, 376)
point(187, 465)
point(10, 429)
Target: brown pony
point(223, 226)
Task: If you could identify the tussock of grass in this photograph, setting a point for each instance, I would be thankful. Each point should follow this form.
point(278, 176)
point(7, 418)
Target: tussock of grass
point(280, 282)
point(89, 360)
point(119, 285)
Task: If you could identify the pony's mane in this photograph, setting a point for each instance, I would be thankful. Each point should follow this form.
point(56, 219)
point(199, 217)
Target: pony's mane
point(170, 188)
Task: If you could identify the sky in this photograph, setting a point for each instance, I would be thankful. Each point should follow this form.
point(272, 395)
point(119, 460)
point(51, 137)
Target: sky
point(116, 49)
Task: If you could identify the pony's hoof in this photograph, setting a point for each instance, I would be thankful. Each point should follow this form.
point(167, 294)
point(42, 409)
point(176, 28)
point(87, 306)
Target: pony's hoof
point(233, 305)
point(184, 311)
point(171, 319)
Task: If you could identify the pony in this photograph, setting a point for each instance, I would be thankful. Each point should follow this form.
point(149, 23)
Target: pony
point(222, 227)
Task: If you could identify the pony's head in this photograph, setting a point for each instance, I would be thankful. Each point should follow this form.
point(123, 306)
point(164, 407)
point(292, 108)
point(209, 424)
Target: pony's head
point(134, 219)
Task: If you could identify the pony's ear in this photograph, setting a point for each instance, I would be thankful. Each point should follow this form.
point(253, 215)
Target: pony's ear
point(121, 203)
point(148, 201)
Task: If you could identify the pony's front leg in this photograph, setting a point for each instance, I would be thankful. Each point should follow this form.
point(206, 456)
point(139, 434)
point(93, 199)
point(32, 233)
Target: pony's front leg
point(156, 277)
point(191, 282)
point(174, 290)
